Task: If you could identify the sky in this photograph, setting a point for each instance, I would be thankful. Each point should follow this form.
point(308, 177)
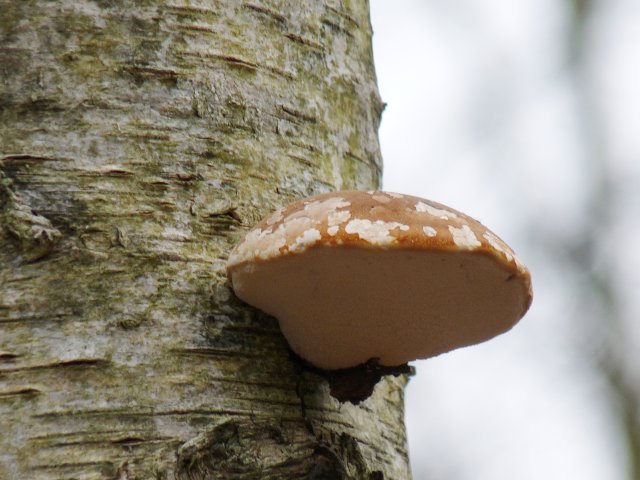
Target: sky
point(484, 115)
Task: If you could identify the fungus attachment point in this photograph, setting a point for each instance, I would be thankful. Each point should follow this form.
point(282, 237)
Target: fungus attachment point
point(354, 276)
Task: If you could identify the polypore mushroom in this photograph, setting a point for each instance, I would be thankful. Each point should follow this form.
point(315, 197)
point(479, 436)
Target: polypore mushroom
point(359, 276)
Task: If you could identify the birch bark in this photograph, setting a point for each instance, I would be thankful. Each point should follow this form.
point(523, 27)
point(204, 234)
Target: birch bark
point(138, 141)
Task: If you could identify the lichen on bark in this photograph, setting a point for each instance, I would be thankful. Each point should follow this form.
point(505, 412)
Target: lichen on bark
point(137, 144)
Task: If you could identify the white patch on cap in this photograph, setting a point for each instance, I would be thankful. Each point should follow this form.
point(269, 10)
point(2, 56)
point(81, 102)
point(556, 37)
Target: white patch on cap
point(270, 247)
point(259, 243)
point(377, 232)
point(255, 235)
point(394, 195)
point(521, 266)
point(499, 245)
point(336, 218)
point(308, 238)
point(301, 225)
point(319, 208)
point(275, 217)
point(429, 231)
point(317, 211)
point(333, 230)
point(245, 251)
point(435, 212)
point(464, 237)
point(293, 228)
point(234, 258)
point(381, 198)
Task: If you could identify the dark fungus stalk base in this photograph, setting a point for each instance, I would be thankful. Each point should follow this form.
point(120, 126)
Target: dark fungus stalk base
point(354, 384)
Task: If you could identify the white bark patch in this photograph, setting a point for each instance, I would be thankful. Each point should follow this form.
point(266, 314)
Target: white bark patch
point(337, 168)
point(429, 231)
point(146, 285)
point(464, 237)
point(435, 212)
point(171, 233)
point(377, 232)
point(499, 245)
point(308, 238)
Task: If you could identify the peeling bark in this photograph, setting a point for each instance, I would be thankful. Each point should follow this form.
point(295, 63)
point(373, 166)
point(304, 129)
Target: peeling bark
point(137, 144)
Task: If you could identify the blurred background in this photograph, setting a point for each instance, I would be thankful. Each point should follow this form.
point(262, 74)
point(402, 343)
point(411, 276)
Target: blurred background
point(526, 116)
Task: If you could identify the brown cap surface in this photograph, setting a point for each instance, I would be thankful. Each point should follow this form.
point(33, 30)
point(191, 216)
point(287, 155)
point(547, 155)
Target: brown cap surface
point(353, 276)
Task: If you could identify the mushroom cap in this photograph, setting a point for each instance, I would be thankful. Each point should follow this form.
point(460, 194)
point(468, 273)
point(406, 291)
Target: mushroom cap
point(353, 276)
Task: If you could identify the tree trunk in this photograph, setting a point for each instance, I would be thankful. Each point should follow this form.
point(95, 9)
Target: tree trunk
point(138, 141)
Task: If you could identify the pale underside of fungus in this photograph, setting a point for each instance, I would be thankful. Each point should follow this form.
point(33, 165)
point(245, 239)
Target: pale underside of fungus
point(357, 276)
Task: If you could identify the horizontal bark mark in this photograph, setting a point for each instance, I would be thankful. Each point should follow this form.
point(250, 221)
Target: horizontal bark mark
point(321, 181)
point(304, 161)
point(305, 146)
point(108, 172)
point(152, 72)
point(237, 62)
point(305, 41)
point(26, 157)
point(344, 15)
point(336, 26)
point(8, 356)
point(275, 330)
point(278, 386)
point(171, 257)
point(212, 352)
point(102, 466)
point(295, 404)
point(122, 413)
point(22, 392)
point(280, 18)
point(142, 136)
point(356, 157)
point(298, 114)
point(123, 441)
point(87, 433)
point(195, 28)
point(34, 318)
point(77, 362)
point(190, 10)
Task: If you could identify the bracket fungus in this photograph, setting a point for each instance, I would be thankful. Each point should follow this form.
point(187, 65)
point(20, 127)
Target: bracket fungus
point(378, 278)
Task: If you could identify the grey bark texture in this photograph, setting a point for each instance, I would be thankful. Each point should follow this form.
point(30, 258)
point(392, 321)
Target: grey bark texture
point(138, 141)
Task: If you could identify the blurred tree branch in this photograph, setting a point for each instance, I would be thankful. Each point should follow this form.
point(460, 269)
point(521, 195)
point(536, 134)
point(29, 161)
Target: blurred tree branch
point(613, 359)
